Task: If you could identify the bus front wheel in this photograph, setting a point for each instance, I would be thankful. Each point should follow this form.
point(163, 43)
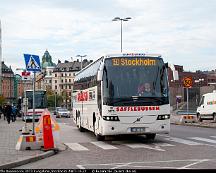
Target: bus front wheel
point(99, 137)
point(150, 136)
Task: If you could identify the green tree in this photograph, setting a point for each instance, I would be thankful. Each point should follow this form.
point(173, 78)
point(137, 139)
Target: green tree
point(2, 100)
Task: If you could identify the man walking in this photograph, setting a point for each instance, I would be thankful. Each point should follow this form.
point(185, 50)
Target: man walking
point(8, 112)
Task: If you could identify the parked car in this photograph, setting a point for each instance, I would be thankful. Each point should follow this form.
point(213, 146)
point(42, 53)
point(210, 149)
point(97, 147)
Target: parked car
point(56, 110)
point(63, 112)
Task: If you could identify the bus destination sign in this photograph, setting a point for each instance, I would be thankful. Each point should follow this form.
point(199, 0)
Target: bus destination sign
point(133, 62)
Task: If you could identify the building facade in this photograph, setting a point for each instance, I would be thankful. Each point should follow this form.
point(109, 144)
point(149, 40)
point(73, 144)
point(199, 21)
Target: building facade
point(63, 78)
point(202, 82)
point(7, 83)
point(44, 79)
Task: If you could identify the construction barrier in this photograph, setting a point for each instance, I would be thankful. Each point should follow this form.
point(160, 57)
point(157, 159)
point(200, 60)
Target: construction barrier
point(46, 135)
point(188, 119)
point(28, 142)
point(43, 127)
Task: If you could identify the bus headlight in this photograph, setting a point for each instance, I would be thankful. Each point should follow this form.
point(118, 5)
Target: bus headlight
point(163, 117)
point(111, 118)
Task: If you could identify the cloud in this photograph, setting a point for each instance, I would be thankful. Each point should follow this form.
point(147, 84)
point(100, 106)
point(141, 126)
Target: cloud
point(182, 31)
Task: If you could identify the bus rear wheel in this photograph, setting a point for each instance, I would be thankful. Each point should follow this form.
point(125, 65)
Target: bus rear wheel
point(150, 136)
point(81, 129)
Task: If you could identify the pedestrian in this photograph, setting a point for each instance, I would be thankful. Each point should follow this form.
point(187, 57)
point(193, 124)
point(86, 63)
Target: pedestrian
point(8, 112)
point(1, 111)
point(4, 111)
point(14, 112)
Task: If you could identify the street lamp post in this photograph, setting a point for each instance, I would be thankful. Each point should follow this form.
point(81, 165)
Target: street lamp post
point(81, 58)
point(121, 19)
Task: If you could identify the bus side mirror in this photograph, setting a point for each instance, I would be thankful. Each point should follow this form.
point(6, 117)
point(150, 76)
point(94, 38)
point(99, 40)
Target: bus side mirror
point(100, 72)
point(174, 71)
point(100, 75)
point(175, 75)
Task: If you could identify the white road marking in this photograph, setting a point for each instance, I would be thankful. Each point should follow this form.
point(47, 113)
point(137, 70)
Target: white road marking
point(119, 165)
point(204, 139)
point(76, 147)
point(163, 144)
point(104, 145)
point(197, 162)
point(80, 166)
point(135, 145)
point(183, 141)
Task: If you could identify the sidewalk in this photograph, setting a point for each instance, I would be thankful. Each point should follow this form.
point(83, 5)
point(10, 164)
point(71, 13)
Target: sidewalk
point(9, 156)
point(175, 119)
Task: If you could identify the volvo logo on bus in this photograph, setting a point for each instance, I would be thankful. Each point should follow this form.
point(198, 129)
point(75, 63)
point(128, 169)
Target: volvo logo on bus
point(138, 119)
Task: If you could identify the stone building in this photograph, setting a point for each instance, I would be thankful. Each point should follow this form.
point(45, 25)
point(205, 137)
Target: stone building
point(202, 82)
point(44, 79)
point(63, 78)
point(7, 83)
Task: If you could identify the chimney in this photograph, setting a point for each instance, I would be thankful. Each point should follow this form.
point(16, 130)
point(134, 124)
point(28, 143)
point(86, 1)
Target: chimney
point(77, 60)
point(59, 61)
point(66, 61)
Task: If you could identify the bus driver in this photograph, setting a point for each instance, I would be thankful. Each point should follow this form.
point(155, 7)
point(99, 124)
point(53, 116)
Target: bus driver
point(144, 89)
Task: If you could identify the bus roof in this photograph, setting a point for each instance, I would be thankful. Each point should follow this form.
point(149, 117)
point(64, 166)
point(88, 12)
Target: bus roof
point(131, 55)
point(121, 55)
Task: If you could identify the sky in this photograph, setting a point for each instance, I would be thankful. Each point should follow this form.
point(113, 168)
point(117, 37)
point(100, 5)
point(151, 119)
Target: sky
point(182, 31)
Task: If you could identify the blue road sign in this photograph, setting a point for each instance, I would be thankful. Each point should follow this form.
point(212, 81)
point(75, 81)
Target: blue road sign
point(32, 62)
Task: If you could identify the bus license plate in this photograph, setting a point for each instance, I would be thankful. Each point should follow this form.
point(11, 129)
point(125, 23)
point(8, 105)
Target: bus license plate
point(137, 129)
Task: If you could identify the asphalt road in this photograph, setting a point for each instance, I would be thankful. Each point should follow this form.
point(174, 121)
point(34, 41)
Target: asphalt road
point(186, 147)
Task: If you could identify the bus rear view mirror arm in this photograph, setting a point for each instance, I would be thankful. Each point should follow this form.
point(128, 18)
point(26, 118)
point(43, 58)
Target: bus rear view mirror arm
point(99, 75)
point(100, 72)
point(174, 71)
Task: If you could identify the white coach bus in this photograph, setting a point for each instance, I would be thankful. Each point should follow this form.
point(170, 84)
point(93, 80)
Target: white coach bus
point(123, 94)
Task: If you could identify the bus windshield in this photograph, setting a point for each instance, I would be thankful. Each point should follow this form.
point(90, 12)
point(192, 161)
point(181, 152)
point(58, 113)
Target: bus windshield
point(135, 79)
point(40, 99)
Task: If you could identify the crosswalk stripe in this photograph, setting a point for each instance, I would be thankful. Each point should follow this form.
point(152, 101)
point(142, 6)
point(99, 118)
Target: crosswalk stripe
point(204, 139)
point(76, 147)
point(104, 145)
point(135, 145)
point(182, 141)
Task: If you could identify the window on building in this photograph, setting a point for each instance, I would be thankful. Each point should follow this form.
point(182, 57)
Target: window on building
point(56, 87)
point(69, 87)
point(62, 81)
point(69, 80)
point(62, 75)
point(55, 81)
point(65, 80)
point(50, 81)
point(55, 75)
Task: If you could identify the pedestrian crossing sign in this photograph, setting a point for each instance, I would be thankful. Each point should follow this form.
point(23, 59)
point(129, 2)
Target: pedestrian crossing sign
point(32, 62)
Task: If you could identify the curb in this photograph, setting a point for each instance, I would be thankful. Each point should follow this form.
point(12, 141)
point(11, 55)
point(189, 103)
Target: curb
point(27, 160)
point(195, 125)
point(33, 158)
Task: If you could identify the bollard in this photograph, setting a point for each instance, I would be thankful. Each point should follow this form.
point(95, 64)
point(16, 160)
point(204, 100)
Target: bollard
point(188, 119)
